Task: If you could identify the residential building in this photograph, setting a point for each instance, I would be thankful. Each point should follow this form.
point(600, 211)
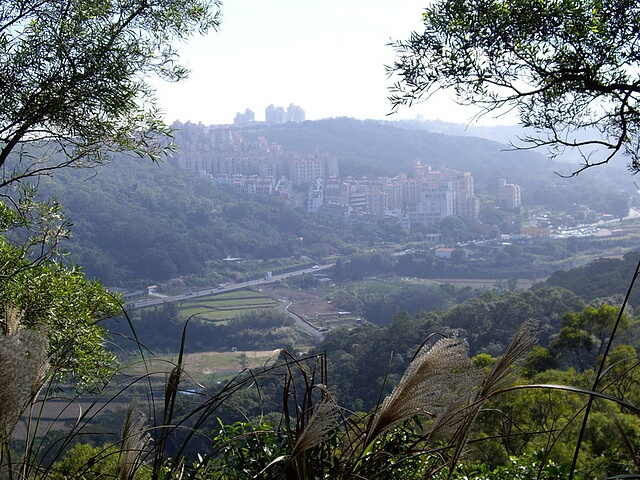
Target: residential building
point(315, 200)
point(509, 195)
point(295, 113)
point(275, 115)
point(244, 118)
point(435, 194)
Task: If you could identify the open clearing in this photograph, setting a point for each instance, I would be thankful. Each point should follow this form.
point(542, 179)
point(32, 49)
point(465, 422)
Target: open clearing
point(204, 367)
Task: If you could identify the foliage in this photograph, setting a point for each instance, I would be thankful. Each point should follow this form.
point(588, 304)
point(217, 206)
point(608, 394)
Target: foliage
point(367, 357)
point(604, 277)
point(490, 318)
point(564, 67)
point(544, 424)
point(67, 308)
point(518, 468)
point(43, 295)
point(584, 335)
point(380, 301)
point(598, 197)
point(88, 462)
point(74, 86)
point(245, 450)
point(158, 327)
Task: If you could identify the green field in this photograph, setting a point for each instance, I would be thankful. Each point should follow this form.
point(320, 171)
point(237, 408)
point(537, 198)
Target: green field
point(205, 368)
point(217, 308)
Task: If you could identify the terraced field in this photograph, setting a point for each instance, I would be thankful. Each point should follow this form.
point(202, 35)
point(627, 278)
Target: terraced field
point(218, 308)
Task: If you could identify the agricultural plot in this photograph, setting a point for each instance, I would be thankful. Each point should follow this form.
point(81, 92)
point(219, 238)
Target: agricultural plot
point(218, 308)
point(202, 368)
point(334, 321)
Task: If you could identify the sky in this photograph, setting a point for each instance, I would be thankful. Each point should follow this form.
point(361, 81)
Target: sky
point(327, 57)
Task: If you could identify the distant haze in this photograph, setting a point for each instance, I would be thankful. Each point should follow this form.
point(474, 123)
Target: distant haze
point(327, 57)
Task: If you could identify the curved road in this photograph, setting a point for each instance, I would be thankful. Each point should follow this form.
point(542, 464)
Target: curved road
point(310, 330)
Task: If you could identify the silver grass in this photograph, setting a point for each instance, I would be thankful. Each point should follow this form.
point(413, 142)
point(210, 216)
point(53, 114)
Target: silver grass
point(502, 374)
point(12, 319)
point(134, 441)
point(320, 428)
point(23, 367)
point(504, 370)
point(436, 382)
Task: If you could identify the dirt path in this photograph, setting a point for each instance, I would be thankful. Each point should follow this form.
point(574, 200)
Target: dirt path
point(310, 303)
point(300, 303)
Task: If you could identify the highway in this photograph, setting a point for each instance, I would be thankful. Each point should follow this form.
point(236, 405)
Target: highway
point(150, 301)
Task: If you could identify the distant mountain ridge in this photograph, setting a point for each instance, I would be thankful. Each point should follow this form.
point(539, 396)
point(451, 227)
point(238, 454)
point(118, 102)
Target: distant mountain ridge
point(380, 148)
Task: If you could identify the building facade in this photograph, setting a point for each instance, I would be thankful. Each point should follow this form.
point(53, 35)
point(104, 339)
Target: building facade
point(509, 195)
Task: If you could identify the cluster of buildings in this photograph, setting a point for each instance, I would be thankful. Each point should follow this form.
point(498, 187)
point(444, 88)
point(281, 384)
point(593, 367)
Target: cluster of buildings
point(273, 115)
point(422, 197)
point(425, 197)
point(227, 154)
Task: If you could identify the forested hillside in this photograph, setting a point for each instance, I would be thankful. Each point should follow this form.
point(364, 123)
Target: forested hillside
point(377, 148)
point(606, 278)
point(137, 222)
point(363, 357)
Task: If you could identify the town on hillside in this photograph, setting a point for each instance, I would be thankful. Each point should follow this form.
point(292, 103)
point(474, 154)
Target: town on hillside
point(421, 198)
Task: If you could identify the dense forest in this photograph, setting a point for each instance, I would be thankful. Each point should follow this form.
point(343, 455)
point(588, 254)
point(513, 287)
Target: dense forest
point(140, 223)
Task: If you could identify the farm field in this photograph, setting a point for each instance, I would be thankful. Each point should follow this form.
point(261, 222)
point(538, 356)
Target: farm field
point(204, 368)
point(218, 308)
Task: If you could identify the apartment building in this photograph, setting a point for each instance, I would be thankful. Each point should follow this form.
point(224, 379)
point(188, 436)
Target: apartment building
point(509, 194)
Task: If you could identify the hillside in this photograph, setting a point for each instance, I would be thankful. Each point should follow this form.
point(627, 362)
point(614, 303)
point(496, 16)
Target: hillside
point(387, 148)
point(136, 222)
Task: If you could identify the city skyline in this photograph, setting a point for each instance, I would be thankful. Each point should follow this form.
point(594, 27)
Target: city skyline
point(330, 61)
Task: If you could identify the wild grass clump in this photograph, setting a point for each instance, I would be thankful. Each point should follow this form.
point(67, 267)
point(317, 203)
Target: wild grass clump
point(24, 365)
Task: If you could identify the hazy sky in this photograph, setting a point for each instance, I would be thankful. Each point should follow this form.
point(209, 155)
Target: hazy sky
point(327, 57)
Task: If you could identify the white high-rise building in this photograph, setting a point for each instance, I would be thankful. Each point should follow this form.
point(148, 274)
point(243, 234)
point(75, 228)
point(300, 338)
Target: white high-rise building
point(274, 115)
point(295, 113)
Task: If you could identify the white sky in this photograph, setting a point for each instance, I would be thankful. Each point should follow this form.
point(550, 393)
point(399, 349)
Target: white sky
point(326, 56)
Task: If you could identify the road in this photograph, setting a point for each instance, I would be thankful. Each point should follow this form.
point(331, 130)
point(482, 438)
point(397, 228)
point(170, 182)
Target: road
point(153, 300)
point(312, 331)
